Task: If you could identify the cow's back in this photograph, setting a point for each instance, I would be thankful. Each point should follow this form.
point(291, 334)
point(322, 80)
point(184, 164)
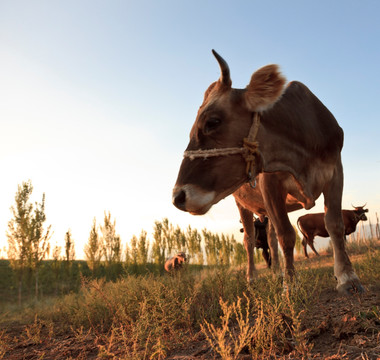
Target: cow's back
point(300, 137)
point(312, 225)
point(305, 121)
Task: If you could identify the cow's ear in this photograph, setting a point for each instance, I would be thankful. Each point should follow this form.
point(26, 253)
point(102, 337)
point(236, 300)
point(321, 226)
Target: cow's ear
point(265, 88)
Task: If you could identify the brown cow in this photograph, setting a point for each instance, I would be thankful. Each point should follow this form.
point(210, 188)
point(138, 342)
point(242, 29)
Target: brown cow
point(276, 149)
point(175, 262)
point(312, 225)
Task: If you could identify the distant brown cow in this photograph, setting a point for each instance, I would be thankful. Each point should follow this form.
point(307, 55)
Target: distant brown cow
point(312, 225)
point(175, 262)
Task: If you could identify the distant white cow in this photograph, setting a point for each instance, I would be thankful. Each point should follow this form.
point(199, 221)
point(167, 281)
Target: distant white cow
point(175, 262)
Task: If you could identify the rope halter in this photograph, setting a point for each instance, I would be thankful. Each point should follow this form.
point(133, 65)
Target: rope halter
point(249, 150)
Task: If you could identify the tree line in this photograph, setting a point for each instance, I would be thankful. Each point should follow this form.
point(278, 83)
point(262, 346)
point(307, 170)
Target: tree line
point(105, 256)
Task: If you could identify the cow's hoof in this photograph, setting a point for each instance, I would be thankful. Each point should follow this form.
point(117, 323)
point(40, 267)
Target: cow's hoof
point(351, 287)
point(250, 280)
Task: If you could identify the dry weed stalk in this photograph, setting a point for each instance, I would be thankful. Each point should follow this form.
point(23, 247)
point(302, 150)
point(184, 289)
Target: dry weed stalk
point(5, 344)
point(229, 341)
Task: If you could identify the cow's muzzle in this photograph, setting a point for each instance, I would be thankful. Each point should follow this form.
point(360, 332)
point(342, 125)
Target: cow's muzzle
point(179, 199)
point(193, 199)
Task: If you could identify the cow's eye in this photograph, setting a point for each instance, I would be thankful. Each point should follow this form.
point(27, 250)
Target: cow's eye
point(211, 125)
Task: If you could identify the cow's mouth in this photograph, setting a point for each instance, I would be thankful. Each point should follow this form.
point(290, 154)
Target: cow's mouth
point(197, 201)
point(201, 211)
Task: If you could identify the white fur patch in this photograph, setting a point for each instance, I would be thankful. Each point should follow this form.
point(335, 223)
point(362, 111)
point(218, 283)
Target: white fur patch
point(198, 201)
point(345, 278)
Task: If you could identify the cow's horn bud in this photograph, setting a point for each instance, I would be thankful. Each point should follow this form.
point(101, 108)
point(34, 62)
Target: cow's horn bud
point(225, 78)
point(358, 206)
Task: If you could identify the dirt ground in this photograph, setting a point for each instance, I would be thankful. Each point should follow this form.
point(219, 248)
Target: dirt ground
point(338, 327)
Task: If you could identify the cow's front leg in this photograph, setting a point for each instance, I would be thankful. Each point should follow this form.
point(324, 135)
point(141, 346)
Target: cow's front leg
point(274, 198)
point(246, 218)
point(266, 256)
point(273, 246)
point(348, 281)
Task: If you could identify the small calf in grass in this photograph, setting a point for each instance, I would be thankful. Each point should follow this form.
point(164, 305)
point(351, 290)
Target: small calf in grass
point(175, 262)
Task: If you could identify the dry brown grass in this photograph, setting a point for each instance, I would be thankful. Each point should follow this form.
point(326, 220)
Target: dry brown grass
point(205, 315)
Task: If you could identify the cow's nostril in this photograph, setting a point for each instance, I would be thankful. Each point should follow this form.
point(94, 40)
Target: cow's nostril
point(179, 200)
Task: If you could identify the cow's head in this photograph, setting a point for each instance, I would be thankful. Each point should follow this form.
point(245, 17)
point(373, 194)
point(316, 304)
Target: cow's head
point(182, 257)
point(360, 212)
point(179, 260)
point(223, 121)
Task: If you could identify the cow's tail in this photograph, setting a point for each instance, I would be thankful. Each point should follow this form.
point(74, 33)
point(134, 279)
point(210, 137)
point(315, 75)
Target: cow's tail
point(300, 229)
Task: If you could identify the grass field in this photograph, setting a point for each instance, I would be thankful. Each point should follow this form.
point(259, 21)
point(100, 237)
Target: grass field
point(213, 313)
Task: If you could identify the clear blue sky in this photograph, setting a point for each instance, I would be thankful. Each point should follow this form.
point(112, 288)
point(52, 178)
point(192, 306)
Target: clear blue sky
point(97, 98)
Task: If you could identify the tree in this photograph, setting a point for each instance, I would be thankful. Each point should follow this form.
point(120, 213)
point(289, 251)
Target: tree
point(226, 250)
point(69, 257)
point(159, 245)
point(240, 254)
point(165, 240)
point(194, 245)
point(18, 233)
point(28, 243)
point(142, 249)
point(111, 241)
point(40, 240)
point(56, 265)
point(69, 248)
point(127, 253)
point(212, 247)
point(134, 251)
point(93, 250)
point(167, 233)
point(179, 240)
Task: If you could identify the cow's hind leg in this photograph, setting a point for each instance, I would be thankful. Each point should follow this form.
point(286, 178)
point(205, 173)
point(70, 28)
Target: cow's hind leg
point(266, 256)
point(274, 199)
point(304, 245)
point(313, 248)
point(348, 281)
point(246, 218)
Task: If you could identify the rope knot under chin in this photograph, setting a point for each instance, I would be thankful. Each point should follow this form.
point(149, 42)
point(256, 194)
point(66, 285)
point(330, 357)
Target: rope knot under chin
point(251, 148)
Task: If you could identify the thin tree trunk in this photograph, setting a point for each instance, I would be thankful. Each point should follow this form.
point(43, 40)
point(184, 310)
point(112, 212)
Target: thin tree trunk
point(19, 291)
point(364, 240)
point(36, 287)
point(370, 229)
